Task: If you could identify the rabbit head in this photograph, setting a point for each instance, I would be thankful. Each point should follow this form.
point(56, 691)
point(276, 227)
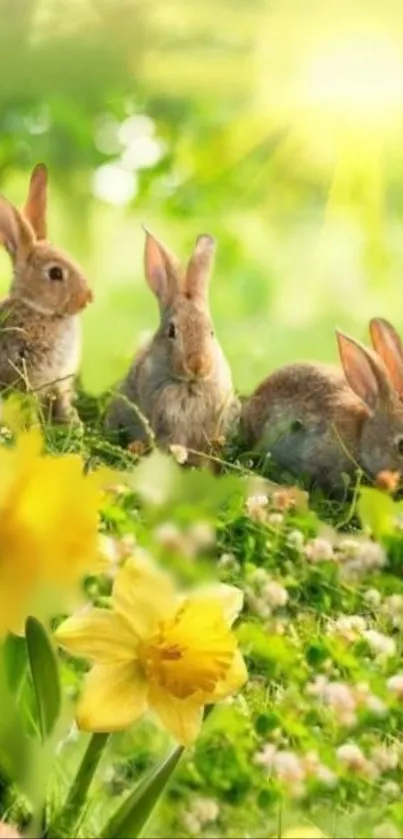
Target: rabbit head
point(186, 329)
point(380, 444)
point(44, 278)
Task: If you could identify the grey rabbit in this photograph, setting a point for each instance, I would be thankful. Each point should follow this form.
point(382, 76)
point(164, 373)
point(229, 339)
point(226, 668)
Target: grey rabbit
point(320, 422)
point(181, 382)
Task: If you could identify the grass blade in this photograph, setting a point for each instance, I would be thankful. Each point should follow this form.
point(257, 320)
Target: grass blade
point(131, 818)
point(45, 675)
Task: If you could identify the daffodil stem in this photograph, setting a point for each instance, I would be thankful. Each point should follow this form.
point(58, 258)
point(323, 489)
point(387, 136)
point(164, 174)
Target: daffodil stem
point(77, 796)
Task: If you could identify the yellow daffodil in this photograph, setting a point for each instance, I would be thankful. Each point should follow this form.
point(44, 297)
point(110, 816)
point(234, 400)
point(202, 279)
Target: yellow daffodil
point(156, 649)
point(48, 523)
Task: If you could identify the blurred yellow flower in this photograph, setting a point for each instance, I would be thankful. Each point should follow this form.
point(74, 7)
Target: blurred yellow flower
point(156, 649)
point(49, 513)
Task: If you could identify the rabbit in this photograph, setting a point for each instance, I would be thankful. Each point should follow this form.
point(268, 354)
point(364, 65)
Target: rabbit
point(319, 422)
point(40, 335)
point(180, 383)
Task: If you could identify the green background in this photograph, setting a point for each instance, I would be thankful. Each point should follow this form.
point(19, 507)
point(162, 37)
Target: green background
point(227, 117)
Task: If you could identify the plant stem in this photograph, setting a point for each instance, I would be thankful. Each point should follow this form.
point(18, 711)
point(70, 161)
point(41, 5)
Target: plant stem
point(132, 816)
point(70, 814)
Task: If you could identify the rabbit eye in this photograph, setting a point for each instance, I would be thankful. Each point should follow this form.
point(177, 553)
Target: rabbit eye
point(171, 331)
point(55, 273)
point(399, 446)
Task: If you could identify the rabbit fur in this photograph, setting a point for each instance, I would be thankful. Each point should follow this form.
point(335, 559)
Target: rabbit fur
point(181, 383)
point(321, 422)
point(40, 335)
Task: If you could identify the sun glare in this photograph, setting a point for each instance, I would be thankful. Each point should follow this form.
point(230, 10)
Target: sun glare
point(356, 79)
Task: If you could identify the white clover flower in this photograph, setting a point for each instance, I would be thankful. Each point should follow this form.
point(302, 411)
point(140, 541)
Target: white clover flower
point(318, 550)
point(373, 598)
point(352, 757)
point(376, 706)
point(170, 537)
point(386, 759)
point(109, 774)
point(191, 823)
point(258, 604)
point(395, 685)
point(228, 562)
point(206, 810)
point(393, 610)
point(318, 686)
point(274, 594)
point(374, 555)
point(289, 767)
point(349, 627)
point(256, 508)
point(296, 540)
point(366, 556)
point(201, 535)
point(349, 548)
point(340, 698)
point(391, 789)
point(383, 646)
point(265, 757)
point(275, 519)
point(326, 777)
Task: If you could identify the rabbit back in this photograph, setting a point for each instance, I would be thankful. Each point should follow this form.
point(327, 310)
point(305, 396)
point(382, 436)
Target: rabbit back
point(307, 418)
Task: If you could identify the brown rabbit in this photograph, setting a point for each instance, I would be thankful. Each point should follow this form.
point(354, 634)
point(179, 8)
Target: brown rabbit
point(320, 422)
point(181, 382)
point(40, 336)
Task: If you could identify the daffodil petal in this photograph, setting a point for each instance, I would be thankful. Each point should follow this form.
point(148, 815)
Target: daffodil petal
point(98, 635)
point(143, 595)
point(181, 717)
point(235, 678)
point(114, 697)
point(229, 598)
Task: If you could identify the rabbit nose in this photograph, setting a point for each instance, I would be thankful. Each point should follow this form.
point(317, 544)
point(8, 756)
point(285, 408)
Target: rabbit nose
point(89, 296)
point(198, 366)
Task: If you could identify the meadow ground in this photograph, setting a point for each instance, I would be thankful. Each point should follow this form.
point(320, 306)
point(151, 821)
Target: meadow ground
point(315, 738)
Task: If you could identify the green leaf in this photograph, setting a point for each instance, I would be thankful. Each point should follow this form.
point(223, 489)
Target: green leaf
point(45, 675)
point(15, 661)
point(377, 510)
point(130, 819)
point(67, 820)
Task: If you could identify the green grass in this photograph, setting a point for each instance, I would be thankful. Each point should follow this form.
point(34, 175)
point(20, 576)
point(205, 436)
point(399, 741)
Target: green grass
point(288, 647)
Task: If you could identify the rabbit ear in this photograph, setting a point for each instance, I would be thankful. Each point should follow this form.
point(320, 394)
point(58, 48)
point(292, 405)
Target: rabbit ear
point(387, 344)
point(363, 371)
point(161, 269)
point(36, 203)
point(199, 268)
point(15, 233)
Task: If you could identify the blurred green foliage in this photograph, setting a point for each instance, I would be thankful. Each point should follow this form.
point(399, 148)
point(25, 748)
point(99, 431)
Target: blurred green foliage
point(232, 117)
